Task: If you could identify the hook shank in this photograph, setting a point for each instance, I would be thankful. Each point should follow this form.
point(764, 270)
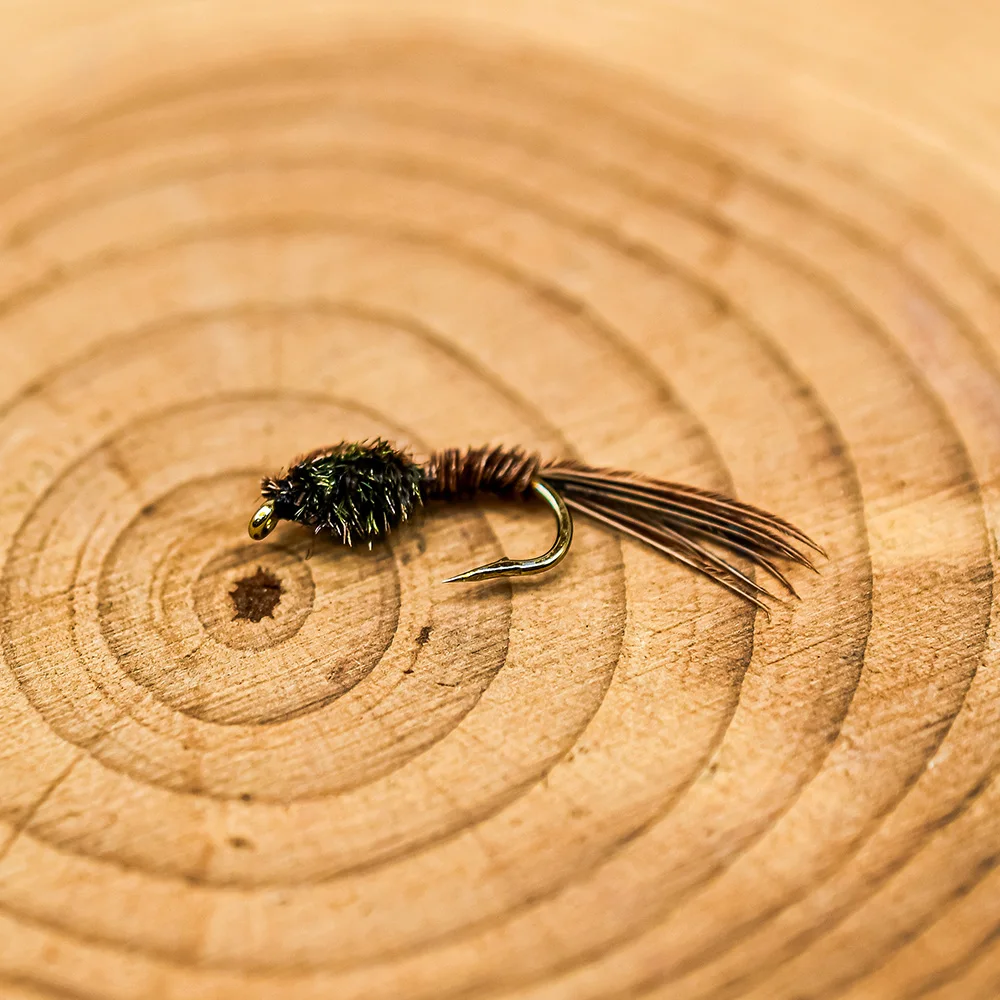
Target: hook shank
point(520, 567)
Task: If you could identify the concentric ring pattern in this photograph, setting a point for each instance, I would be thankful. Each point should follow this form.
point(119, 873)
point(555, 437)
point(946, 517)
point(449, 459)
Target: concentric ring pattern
point(615, 781)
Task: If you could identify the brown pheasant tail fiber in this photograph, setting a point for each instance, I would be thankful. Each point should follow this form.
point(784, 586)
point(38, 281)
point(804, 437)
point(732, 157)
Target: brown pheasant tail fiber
point(687, 524)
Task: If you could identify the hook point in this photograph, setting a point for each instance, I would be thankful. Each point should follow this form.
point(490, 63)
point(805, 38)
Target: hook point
point(502, 567)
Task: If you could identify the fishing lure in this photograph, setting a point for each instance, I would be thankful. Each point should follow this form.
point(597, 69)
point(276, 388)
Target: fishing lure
point(357, 492)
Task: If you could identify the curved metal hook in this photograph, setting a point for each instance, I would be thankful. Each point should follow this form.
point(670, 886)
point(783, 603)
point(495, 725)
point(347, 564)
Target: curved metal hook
point(519, 567)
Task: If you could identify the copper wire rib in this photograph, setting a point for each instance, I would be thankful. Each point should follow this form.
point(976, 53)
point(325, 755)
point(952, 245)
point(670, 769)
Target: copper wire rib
point(456, 474)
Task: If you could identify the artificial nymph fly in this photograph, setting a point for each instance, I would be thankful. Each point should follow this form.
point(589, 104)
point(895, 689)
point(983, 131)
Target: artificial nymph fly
point(358, 492)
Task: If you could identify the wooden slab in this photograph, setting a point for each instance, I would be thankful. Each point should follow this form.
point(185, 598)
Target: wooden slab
point(749, 246)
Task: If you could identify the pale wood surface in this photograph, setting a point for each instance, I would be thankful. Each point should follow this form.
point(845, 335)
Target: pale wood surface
point(749, 245)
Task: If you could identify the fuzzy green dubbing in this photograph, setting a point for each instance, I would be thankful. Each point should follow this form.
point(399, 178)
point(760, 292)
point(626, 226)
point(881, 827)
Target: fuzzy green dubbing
point(356, 491)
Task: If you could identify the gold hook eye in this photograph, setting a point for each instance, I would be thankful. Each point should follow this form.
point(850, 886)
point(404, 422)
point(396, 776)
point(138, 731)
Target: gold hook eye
point(263, 522)
point(518, 567)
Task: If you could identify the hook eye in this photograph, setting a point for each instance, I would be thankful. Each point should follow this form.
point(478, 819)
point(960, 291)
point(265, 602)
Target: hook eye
point(263, 522)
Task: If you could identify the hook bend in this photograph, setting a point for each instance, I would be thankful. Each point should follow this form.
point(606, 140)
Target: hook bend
point(520, 567)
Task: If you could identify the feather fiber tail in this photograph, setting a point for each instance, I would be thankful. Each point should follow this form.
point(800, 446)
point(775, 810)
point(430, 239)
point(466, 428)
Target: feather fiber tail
point(683, 521)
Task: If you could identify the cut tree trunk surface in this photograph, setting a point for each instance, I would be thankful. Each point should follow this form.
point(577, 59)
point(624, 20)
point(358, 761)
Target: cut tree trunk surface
point(747, 246)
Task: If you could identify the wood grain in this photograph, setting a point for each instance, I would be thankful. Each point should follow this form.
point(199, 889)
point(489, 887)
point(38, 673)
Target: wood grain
point(749, 246)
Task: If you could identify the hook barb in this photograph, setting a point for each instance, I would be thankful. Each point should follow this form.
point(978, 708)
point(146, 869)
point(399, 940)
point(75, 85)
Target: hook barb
point(520, 567)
